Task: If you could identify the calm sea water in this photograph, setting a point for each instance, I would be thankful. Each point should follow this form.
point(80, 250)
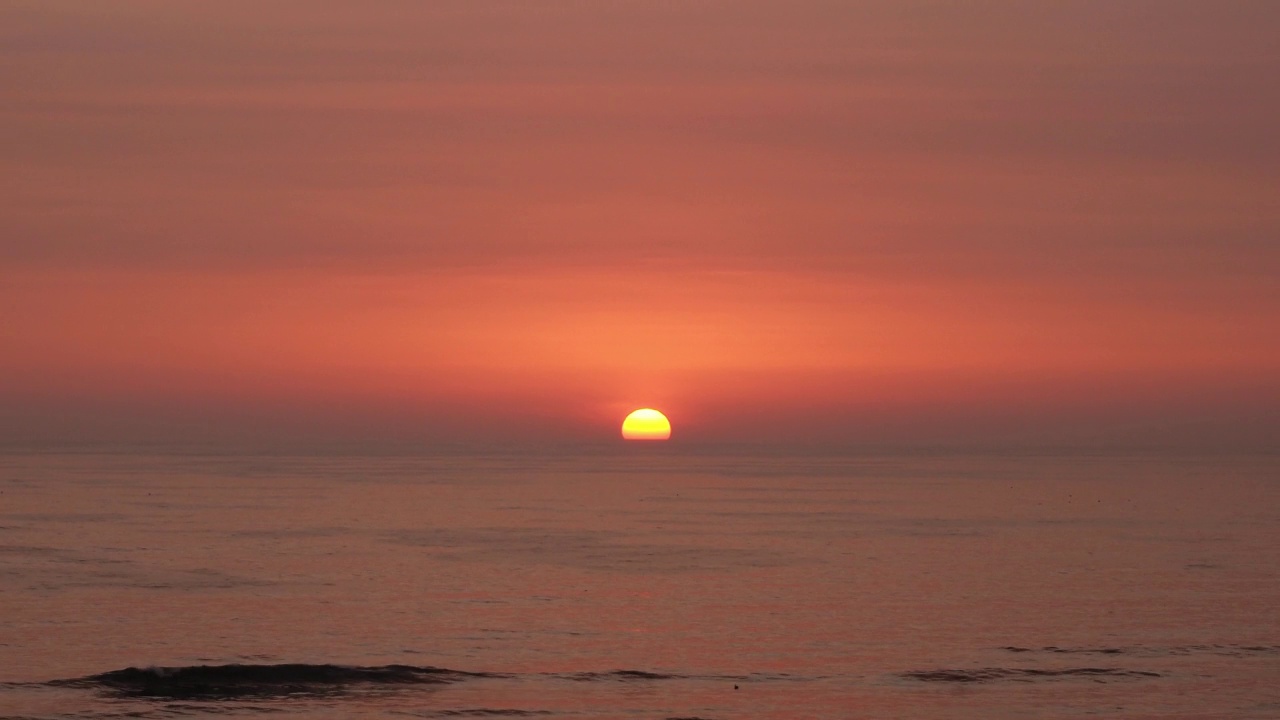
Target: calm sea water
point(639, 585)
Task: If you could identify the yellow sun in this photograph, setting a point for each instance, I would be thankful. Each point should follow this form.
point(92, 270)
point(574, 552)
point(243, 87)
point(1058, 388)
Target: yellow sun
point(646, 424)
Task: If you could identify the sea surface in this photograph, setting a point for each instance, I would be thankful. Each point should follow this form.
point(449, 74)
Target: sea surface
point(645, 583)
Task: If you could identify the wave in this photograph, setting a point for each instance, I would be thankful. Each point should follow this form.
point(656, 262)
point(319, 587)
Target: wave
point(1153, 651)
point(483, 712)
point(236, 681)
point(1024, 674)
point(1066, 651)
point(623, 675)
point(232, 681)
point(645, 675)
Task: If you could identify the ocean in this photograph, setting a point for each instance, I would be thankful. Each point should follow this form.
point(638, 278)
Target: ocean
point(645, 582)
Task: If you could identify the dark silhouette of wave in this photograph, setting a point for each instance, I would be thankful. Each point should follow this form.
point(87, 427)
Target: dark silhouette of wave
point(1154, 651)
point(1025, 674)
point(642, 675)
point(623, 675)
point(1066, 651)
point(489, 712)
point(233, 681)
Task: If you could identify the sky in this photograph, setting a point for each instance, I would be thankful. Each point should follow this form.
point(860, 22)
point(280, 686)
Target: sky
point(803, 223)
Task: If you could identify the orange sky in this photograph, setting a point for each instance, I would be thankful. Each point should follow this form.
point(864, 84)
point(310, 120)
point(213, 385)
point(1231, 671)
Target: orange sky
point(836, 222)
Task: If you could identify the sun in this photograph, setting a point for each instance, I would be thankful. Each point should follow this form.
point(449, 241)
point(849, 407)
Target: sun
point(646, 424)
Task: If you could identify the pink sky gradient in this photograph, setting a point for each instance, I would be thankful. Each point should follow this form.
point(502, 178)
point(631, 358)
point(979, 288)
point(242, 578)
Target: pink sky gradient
point(835, 222)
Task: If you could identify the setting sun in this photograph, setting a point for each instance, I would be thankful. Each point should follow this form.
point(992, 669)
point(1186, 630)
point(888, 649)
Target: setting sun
point(646, 424)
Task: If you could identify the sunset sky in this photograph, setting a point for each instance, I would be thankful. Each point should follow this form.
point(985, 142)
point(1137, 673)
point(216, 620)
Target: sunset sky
point(840, 223)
